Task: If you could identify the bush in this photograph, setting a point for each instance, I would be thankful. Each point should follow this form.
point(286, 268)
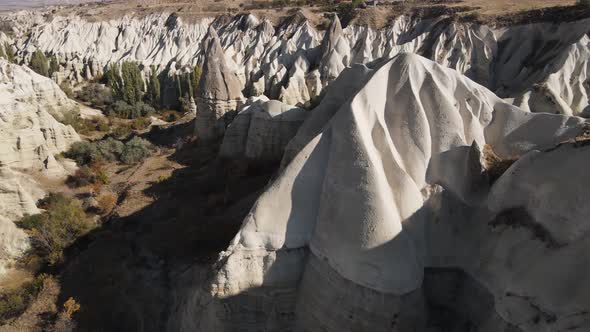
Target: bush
point(67, 89)
point(93, 174)
point(97, 95)
point(140, 123)
point(107, 202)
point(110, 149)
point(121, 109)
point(52, 231)
point(14, 302)
point(83, 152)
point(135, 150)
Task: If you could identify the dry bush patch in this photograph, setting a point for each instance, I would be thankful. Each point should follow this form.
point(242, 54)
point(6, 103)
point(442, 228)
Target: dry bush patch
point(494, 165)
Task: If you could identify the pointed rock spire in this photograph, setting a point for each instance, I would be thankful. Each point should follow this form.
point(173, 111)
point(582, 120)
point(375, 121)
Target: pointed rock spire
point(219, 89)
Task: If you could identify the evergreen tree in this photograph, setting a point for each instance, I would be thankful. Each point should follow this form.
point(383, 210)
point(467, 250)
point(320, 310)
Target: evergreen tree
point(114, 80)
point(9, 52)
point(133, 86)
point(53, 65)
point(153, 88)
point(39, 63)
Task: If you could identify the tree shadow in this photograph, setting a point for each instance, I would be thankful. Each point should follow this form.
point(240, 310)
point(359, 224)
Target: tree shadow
point(123, 273)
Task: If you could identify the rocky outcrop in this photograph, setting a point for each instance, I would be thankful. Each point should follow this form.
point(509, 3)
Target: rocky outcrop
point(385, 217)
point(283, 62)
point(261, 130)
point(30, 139)
point(218, 91)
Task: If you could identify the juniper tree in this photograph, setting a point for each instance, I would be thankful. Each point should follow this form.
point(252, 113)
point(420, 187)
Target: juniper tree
point(53, 65)
point(39, 63)
point(9, 52)
point(153, 89)
point(133, 86)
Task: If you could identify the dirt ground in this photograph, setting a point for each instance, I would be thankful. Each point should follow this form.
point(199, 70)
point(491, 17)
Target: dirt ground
point(489, 11)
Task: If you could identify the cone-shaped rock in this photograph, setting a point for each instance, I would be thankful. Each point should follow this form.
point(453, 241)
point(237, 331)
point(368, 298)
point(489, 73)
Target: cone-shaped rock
point(218, 92)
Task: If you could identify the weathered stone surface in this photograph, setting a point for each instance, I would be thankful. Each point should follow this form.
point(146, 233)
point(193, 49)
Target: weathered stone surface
point(374, 223)
point(30, 138)
point(219, 90)
point(261, 130)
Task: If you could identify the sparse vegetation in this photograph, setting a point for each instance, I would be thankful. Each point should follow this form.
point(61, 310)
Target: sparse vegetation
point(53, 230)
point(67, 89)
point(107, 202)
point(84, 126)
point(14, 302)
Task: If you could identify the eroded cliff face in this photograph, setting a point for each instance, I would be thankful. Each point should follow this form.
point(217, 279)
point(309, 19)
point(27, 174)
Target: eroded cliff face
point(30, 139)
point(386, 213)
point(542, 65)
point(385, 217)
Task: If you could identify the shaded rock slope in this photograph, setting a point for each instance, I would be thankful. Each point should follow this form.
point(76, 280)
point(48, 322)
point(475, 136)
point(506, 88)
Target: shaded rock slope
point(385, 217)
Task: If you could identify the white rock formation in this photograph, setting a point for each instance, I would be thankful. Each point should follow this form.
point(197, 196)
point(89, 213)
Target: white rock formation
point(545, 59)
point(261, 130)
point(384, 213)
point(218, 92)
point(30, 137)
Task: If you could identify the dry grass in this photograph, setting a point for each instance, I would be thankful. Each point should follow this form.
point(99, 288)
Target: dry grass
point(495, 166)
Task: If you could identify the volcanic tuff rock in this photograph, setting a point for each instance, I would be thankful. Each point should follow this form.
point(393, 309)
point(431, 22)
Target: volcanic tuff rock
point(261, 130)
point(524, 62)
point(30, 137)
point(218, 91)
point(386, 219)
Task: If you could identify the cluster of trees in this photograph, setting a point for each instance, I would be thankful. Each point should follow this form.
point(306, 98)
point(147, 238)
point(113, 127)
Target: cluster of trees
point(133, 98)
point(62, 222)
point(7, 52)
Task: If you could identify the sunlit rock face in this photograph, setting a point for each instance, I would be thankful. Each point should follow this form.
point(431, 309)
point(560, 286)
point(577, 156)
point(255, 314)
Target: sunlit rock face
point(30, 139)
point(261, 130)
point(542, 66)
point(384, 217)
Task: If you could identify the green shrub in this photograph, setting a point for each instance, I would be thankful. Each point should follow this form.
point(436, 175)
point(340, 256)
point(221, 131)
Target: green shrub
point(62, 222)
point(121, 109)
point(110, 149)
point(83, 152)
point(135, 150)
point(140, 123)
point(97, 95)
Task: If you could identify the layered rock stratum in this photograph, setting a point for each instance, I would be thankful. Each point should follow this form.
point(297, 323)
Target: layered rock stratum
point(387, 217)
point(30, 139)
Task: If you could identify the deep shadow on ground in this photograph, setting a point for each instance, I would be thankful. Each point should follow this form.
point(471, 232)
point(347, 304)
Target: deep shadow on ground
point(123, 272)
